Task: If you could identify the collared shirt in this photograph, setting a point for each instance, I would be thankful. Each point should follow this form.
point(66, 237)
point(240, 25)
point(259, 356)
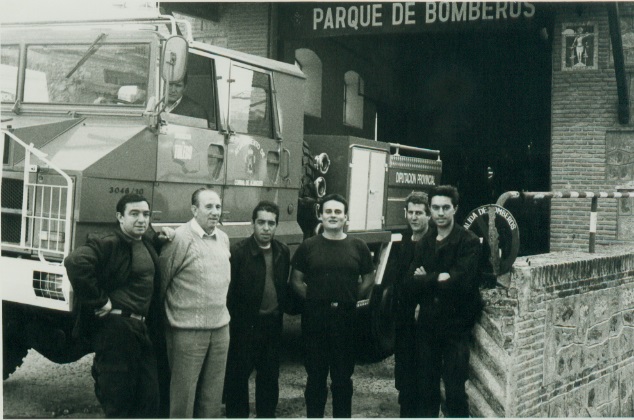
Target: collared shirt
point(200, 231)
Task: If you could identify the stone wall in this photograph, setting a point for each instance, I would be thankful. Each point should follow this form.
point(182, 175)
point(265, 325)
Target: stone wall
point(559, 341)
point(591, 151)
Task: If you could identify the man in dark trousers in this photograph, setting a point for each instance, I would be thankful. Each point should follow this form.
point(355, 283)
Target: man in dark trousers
point(113, 277)
point(327, 270)
point(256, 300)
point(443, 279)
point(405, 358)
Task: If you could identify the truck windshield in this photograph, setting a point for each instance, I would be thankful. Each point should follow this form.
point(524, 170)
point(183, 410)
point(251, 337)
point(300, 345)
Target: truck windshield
point(9, 72)
point(112, 74)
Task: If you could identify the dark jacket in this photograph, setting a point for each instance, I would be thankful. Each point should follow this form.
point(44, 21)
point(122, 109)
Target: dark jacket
point(396, 272)
point(190, 108)
point(248, 272)
point(100, 266)
point(452, 305)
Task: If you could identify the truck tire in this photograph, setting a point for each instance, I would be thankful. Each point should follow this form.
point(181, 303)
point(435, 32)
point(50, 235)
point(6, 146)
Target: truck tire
point(14, 345)
point(307, 188)
point(375, 326)
point(306, 217)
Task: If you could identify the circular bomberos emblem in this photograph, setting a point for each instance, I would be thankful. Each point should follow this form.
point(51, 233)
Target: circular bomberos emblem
point(499, 235)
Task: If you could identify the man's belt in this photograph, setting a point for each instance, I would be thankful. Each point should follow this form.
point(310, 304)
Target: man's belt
point(343, 305)
point(127, 314)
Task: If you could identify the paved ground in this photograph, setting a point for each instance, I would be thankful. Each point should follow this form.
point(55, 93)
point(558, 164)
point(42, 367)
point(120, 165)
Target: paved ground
point(42, 389)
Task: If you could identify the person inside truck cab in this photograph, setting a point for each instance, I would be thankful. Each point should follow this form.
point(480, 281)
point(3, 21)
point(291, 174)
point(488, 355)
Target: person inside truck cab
point(181, 104)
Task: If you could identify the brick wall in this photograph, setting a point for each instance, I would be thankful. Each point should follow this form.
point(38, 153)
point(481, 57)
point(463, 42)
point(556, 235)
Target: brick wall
point(559, 341)
point(241, 26)
point(584, 110)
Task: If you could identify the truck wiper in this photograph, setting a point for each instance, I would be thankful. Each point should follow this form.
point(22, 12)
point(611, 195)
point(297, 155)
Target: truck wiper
point(89, 52)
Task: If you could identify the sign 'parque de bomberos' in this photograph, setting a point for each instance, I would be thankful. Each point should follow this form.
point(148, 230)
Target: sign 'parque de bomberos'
point(333, 19)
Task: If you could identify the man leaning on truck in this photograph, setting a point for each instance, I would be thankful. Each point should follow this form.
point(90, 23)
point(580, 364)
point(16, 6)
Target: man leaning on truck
point(113, 277)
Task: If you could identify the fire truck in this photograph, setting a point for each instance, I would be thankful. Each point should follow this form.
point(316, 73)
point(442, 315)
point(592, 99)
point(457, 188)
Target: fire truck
point(84, 121)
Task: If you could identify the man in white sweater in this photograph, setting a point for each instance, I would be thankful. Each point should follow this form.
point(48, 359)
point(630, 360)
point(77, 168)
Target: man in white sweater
point(195, 276)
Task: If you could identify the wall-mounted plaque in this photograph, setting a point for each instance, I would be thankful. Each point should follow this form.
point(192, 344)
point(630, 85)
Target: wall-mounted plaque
point(579, 46)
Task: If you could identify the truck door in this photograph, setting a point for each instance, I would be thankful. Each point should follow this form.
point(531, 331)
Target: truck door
point(253, 149)
point(192, 151)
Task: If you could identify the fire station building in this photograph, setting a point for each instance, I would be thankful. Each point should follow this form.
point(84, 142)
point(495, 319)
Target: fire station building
point(516, 96)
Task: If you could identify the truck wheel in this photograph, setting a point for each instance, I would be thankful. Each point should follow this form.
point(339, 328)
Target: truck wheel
point(375, 326)
point(14, 347)
point(307, 195)
point(307, 188)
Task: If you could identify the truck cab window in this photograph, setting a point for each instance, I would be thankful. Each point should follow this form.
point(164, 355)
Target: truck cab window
point(9, 72)
point(199, 95)
point(251, 102)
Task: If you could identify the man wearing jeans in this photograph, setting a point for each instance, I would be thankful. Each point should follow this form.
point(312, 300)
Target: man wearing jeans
point(195, 275)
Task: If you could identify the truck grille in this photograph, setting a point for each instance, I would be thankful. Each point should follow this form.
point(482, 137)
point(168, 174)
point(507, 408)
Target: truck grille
point(12, 191)
point(44, 221)
point(48, 285)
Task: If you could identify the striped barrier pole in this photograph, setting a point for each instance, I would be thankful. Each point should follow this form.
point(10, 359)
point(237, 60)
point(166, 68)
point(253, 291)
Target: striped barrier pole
point(543, 195)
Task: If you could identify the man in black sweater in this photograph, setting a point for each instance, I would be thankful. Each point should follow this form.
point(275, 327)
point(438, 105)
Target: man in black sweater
point(332, 271)
point(443, 279)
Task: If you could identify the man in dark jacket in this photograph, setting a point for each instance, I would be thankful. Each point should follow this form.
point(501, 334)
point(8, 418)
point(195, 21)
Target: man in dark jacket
point(443, 279)
point(405, 358)
point(180, 104)
point(256, 300)
point(113, 277)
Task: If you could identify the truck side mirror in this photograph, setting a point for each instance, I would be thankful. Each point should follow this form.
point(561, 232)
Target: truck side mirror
point(174, 59)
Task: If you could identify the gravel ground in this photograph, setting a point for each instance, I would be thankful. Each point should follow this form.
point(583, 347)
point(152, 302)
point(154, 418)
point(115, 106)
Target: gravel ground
point(42, 389)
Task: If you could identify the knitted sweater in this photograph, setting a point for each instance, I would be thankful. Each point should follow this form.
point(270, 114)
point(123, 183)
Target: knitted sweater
point(195, 276)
